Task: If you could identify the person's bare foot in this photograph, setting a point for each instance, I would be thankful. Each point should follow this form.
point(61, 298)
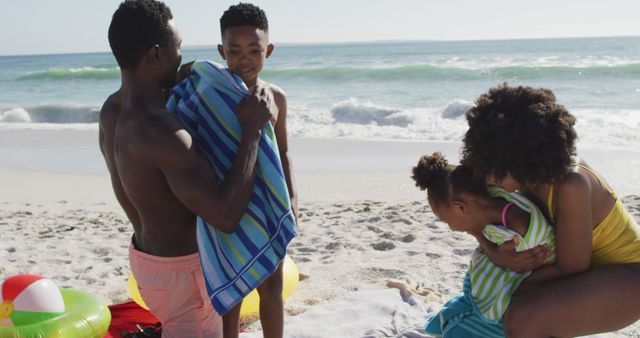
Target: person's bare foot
point(401, 285)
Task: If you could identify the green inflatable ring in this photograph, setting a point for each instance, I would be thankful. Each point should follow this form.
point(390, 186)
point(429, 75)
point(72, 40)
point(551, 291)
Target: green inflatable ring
point(85, 315)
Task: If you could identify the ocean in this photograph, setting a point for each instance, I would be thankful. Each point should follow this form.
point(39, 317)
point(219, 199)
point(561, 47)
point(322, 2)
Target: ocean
point(380, 91)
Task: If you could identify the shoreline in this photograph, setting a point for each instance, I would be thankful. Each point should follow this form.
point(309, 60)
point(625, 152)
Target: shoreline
point(38, 165)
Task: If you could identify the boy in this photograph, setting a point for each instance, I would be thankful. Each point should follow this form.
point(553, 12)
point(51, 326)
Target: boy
point(245, 47)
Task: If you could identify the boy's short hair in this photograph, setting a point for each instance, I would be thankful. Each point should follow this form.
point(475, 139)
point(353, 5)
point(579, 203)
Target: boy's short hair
point(135, 27)
point(244, 14)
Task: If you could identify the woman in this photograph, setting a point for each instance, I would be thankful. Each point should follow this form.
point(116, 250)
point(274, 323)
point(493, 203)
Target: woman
point(520, 138)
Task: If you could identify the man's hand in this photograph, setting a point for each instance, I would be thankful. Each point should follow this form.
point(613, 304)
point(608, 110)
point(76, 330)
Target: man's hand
point(254, 111)
point(184, 71)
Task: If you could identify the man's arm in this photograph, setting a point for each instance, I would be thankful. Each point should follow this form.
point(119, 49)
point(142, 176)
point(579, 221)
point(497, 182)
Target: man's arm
point(280, 99)
point(192, 179)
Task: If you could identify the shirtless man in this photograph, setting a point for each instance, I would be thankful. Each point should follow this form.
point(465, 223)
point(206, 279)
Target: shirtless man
point(159, 178)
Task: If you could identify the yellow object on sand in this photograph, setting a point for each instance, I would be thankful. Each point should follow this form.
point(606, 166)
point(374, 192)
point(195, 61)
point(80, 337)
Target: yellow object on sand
point(251, 303)
point(132, 285)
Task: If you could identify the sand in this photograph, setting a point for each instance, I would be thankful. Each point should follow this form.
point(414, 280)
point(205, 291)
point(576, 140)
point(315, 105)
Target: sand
point(362, 222)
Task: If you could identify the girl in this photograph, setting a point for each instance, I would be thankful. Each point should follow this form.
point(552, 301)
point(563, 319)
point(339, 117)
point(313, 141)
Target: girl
point(520, 138)
point(464, 204)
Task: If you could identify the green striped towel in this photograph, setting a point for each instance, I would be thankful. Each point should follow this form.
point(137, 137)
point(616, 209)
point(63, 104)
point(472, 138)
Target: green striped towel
point(234, 264)
point(491, 285)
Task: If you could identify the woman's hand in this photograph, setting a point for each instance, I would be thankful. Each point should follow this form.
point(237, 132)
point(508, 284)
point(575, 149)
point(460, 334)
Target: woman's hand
point(506, 256)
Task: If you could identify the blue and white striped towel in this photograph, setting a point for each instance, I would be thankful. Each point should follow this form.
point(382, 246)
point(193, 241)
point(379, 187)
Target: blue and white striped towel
point(234, 264)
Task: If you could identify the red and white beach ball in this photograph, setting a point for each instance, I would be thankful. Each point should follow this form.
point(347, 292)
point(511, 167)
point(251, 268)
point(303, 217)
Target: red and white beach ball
point(28, 299)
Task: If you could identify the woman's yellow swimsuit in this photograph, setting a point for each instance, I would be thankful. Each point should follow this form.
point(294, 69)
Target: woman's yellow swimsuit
point(615, 240)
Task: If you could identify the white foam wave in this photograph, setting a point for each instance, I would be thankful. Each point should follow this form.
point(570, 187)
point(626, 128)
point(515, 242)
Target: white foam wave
point(15, 115)
point(49, 126)
point(354, 119)
point(493, 62)
point(52, 113)
point(456, 108)
point(90, 69)
point(86, 72)
point(608, 129)
point(353, 111)
point(596, 128)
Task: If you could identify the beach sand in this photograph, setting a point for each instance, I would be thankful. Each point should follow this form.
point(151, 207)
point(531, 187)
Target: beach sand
point(362, 222)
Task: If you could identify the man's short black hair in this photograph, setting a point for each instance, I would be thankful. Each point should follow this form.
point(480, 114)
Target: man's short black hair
point(244, 14)
point(136, 26)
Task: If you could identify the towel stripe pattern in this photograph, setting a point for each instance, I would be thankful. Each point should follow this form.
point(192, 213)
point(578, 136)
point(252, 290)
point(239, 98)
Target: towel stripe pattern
point(234, 264)
point(492, 286)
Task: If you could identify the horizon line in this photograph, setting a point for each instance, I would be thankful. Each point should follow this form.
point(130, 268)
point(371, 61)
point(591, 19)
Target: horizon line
point(320, 43)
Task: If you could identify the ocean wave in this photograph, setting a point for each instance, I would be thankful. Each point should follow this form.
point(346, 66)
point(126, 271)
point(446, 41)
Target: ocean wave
point(551, 71)
point(373, 73)
point(89, 73)
point(361, 119)
point(385, 72)
point(545, 61)
point(455, 109)
point(425, 71)
point(57, 114)
point(353, 111)
point(15, 115)
point(608, 128)
point(597, 128)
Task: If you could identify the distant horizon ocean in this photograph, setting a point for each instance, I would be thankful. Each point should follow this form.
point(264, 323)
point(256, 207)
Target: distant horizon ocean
point(403, 90)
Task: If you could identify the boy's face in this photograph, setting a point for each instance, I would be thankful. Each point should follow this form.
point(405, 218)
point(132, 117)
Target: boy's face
point(245, 48)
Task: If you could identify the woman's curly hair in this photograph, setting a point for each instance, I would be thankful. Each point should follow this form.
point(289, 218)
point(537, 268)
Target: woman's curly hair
point(521, 131)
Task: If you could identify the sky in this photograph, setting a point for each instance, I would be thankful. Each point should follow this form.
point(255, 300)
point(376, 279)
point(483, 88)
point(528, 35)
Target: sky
point(71, 26)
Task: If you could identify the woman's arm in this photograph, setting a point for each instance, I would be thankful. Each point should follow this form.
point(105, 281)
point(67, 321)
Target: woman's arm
point(573, 231)
point(506, 256)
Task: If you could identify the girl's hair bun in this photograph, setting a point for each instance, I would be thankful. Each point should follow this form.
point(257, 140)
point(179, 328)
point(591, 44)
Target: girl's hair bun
point(431, 171)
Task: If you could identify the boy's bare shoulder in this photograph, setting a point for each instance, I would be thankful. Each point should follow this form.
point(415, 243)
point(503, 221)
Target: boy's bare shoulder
point(277, 92)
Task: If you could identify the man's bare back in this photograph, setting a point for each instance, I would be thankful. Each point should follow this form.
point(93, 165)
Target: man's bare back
point(160, 180)
point(134, 142)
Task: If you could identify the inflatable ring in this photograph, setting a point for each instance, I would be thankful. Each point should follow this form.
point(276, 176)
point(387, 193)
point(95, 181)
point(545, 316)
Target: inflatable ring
point(85, 316)
point(251, 303)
